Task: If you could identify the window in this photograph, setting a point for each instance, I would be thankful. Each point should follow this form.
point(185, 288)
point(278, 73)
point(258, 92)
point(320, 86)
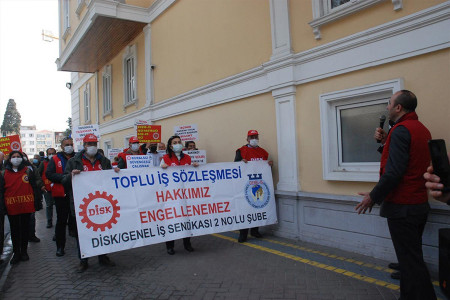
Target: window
point(66, 18)
point(87, 103)
point(129, 76)
point(327, 11)
point(31, 135)
point(80, 5)
point(24, 143)
point(348, 120)
point(32, 143)
point(31, 149)
point(23, 135)
point(107, 102)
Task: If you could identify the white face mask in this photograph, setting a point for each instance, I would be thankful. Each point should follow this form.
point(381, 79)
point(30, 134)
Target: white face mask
point(50, 156)
point(253, 142)
point(91, 150)
point(134, 147)
point(177, 148)
point(15, 161)
point(68, 149)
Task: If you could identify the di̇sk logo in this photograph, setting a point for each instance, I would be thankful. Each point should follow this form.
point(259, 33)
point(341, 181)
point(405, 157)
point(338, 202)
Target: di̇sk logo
point(15, 146)
point(155, 136)
point(256, 191)
point(25, 178)
point(99, 211)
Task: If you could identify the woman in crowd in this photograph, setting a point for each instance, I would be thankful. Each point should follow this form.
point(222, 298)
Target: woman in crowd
point(18, 200)
point(175, 157)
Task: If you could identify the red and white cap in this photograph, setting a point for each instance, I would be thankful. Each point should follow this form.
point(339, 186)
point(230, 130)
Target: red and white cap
point(133, 139)
point(90, 138)
point(252, 132)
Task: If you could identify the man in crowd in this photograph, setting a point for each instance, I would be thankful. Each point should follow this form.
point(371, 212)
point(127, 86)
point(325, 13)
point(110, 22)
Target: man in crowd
point(134, 149)
point(190, 145)
point(154, 154)
point(86, 160)
point(54, 173)
point(47, 194)
point(251, 152)
point(161, 146)
point(402, 194)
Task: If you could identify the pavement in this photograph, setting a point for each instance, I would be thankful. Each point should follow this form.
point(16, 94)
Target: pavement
point(219, 268)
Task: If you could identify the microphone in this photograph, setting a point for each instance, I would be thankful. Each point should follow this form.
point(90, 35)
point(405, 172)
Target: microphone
point(382, 120)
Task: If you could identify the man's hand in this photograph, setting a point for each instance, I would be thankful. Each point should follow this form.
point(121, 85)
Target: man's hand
point(43, 189)
point(365, 204)
point(75, 172)
point(164, 166)
point(244, 160)
point(270, 162)
point(117, 170)
point(380, 135)
point(434, 186)
point(195, 164)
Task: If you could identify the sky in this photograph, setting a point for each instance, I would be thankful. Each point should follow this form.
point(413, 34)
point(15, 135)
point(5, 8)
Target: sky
point(28, 72)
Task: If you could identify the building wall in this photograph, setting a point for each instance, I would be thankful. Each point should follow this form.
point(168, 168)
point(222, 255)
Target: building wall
point(198, 42)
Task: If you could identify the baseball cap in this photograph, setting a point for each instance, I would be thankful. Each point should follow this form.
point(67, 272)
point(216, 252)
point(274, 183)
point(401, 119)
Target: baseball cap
point(133, 139)
point(90, 138)
point(252, 132)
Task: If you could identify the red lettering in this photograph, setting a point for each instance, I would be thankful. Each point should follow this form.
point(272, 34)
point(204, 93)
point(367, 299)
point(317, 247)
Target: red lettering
point(195, 192)
point(168, 196)
point(212, 208)
point(226, 207)
point(142, 217)
point(204, 208)
point(196, 210)
point(169, 213)
point(205, 192)
point(151, 216)
point(160, 214)
point(160, 196)
point(176, 194)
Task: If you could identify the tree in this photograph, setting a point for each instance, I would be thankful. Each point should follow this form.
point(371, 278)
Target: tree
point(68, 131)
point(11, 119)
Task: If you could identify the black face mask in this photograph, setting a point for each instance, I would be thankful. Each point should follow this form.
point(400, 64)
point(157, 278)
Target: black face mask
point(153, 148)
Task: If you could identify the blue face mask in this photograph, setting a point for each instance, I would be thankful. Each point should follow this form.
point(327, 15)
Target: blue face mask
point(35, 161)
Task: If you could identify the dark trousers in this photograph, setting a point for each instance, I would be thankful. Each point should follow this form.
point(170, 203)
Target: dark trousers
point(186, 242)
point(406, 234)
point(63, 218)
point(244, 232)
point(2, 232)
point(79, 249)
point(49, 207)
point(32, 224)
point(20, 227)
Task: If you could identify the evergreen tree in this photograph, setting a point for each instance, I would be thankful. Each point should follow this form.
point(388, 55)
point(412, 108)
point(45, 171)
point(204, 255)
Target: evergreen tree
point(11, 119)
point(68, 131)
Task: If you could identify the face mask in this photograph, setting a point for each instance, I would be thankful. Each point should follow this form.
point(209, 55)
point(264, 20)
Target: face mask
point(177, 148)
point(91, 150)
point(35, 161)
point(50, 156)
point(153, 148)
point(16, 161)
point(254, 142)
point(134, 147)
point(68, 149)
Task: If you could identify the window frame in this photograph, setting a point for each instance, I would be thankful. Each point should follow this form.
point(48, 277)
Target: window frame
point(87, 103)
point(66, 18)
point(107, 91)
point(333, 168)
point(129, 79)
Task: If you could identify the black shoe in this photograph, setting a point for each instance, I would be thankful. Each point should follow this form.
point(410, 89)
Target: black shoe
point(395, 275)
point(49, 224)
point(394, 266)
point(24, 257)
point(34, 239)
point(54, 238)
point(189, 248)
point(170, 251)
point(60, 252)
point(82, 266)
point(105, 261)
point(242, 238)
point(256, 234)
point(15, 259)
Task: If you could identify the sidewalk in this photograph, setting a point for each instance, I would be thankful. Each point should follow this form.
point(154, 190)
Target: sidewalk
point(220, 268)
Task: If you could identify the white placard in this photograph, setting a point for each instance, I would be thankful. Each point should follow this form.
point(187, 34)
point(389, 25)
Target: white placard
point(198, 156)
point(139, 207)
point(79, 132)
point(113, 152)
point(139, 161)
point(186, 132)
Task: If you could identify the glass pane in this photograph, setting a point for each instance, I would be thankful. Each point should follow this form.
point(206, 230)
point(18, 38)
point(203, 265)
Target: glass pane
point(357, 128)
point(336, 3)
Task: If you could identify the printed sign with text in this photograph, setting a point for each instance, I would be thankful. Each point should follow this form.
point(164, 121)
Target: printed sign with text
point(198, 156)
point(10, 143)
point(139, 161)
point(149, 133)
point(186, 132)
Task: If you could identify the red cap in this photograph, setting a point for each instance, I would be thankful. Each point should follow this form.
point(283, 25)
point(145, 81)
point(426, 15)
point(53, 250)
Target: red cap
point(133, 139)
point(90, 138)
point(252, 132)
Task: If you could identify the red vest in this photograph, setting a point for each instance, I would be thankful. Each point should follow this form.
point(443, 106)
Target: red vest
point(88, 166)
point(58, 188)
point(185, 160)
point(48, 183)
point(127, 152)
point(411, 189)
point(19, 197)
point(252, 154)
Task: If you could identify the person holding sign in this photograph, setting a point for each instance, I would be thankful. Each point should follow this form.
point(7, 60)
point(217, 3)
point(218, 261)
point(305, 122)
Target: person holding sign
point(87, 160)
point(18, 199)
point(175, 157)
point(251, 152)
point(190, 145)
point(134, 149)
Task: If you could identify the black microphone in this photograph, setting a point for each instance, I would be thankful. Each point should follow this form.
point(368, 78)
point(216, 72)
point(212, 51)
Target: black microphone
point(382, 120)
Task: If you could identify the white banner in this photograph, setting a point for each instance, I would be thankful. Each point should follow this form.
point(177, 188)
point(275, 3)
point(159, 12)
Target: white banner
point(113, 152)
point(79, 132)
point(186, 132)
point(139, 207)
point(139, 161)
point(198, 156)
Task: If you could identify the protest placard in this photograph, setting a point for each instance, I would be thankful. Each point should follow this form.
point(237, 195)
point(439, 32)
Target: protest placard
point(186, 132)
point(149, 133)
point(197, 156)
point(10, 143)
point(79, 132)
point(139, 161)
point(139, 207)
point(113, 152)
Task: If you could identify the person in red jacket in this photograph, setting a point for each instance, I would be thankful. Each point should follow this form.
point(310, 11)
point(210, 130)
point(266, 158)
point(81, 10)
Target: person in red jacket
point(402, 193)
point(18, 198)
point(134, 149)
point(49, 202)
point(176, 157)
point(251, 152)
